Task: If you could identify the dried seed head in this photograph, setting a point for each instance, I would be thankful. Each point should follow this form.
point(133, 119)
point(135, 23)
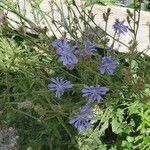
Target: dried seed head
point(8, 139)
point(2, 16)
point(108, 10)
point(73, 2)
point(39, 110)
point(24, 105)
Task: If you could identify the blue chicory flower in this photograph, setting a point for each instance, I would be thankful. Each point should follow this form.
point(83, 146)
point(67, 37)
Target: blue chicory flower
point(108, 65)
point(93, 93)
point(65, 52)
point(82, 121)
point(59, 43)
point(109, 49)
point(69, 59)
point(119, 27)
point(59, 85)
point(90, 49)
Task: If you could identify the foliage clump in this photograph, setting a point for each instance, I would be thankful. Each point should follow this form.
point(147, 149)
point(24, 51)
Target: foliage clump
point(76, 91)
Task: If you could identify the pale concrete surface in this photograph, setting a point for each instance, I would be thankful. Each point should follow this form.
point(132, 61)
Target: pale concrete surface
point(120, 12)
point(117, 12)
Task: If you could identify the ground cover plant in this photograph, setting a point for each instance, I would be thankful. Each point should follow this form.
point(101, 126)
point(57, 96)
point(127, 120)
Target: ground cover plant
point(76, 91)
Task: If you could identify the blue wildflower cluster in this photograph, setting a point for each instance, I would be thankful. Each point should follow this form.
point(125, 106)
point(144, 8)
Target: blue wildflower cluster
point(68, 55)
point(93, 93)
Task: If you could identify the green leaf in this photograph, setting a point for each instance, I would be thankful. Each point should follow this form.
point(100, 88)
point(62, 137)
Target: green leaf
point(130, 139)
point(116, 126)
point(103, 128)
